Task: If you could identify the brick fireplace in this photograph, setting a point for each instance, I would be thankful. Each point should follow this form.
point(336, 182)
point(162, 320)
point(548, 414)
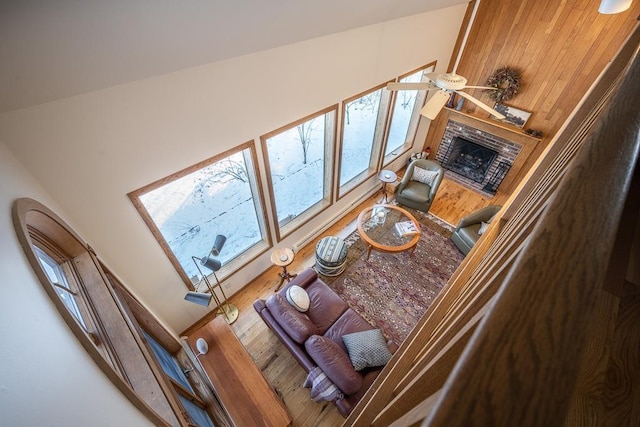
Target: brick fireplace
point(475, 158)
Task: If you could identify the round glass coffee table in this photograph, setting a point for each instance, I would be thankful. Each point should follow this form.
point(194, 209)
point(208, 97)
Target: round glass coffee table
point(377, 226)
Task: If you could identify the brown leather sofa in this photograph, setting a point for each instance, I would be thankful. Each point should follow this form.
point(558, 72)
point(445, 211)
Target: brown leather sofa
point(329, 317)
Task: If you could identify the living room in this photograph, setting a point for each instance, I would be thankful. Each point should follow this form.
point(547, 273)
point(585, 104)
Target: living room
point(111, 142)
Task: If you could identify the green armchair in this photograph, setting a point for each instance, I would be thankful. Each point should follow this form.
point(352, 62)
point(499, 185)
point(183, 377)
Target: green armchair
point(470, 227)
point(419, 184)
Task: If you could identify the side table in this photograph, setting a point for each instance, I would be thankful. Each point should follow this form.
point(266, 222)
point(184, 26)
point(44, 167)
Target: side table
point(386, 176)
point(283, 257)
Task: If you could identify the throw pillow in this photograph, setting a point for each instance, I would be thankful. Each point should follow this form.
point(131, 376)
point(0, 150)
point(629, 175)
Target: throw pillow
point(334, 362)
point(298, 298)
point(483, 228)
point(424, 176)
point(367, 349)
point(297, 325)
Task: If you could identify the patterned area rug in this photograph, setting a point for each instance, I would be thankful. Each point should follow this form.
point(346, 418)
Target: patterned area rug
point(393, 290)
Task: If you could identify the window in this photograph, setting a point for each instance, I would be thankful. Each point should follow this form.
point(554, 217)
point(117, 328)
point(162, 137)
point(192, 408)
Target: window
point(59, 281)
point(406, 115)
point(299, 158)
point(187, 210)
point(81, 289)
point(363, 121)
point(191, 402)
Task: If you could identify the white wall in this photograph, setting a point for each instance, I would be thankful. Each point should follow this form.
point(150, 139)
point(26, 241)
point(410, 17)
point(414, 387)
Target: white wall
point(91, 150)
point(46, 377)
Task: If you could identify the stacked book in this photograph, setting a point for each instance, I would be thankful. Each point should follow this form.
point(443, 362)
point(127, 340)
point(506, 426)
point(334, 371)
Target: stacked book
point(406, 228)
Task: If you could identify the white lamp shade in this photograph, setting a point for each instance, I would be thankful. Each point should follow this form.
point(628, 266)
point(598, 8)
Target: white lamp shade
point(609, 7)
point(202, 346)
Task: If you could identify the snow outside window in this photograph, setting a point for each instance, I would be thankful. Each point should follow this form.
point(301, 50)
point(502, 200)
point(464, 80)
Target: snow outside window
point(197, 204)
point(300, 167)
point(362, 127)
point(405, 115)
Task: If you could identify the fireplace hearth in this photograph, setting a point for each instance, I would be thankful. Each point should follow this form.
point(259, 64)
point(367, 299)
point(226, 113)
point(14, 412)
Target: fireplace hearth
point(469, 159)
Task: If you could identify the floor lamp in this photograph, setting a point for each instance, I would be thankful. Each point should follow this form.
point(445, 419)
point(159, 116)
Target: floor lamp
point(229, 310)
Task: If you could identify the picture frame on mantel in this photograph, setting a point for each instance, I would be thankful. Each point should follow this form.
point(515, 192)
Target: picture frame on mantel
point(513, 116)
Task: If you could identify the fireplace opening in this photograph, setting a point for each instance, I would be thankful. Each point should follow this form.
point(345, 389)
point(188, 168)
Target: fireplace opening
point(469, 159)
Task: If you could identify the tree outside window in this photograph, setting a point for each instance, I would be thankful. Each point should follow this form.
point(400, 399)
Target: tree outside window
point(360, 129)
point(299, 166)
point(189, 209)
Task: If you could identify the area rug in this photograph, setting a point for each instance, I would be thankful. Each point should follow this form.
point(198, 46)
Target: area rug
point(393, 290)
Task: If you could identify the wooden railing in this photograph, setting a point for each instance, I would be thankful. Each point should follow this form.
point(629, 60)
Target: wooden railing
point(523, 332)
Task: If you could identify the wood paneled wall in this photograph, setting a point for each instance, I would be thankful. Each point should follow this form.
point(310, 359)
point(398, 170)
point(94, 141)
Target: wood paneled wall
point(559, 46)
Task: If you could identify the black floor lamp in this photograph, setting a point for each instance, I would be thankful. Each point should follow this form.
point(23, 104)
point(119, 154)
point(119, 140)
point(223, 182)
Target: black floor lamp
point(229, 310)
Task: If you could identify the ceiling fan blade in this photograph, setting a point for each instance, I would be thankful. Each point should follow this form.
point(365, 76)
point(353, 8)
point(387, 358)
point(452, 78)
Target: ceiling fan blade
point(435, 104)
point(432, 76)
point(481, 104)
point(409, 86)
point(481, 87)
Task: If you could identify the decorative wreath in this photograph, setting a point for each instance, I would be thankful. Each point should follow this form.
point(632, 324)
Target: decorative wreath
point(507, 81)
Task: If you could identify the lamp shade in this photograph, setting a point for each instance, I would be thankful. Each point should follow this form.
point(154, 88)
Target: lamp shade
point(609, 7)
point(218, 244)
point(211, 263)
point(198, 298)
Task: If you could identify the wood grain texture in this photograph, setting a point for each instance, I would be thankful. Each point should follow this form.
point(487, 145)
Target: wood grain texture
point(560, 47)
point(533, 361)
point(621, 393)
point(239, 384)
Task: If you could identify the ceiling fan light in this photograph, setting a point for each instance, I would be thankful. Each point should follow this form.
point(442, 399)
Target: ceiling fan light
point(609, 7)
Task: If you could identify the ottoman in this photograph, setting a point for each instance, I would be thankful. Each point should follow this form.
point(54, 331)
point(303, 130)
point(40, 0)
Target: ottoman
point(331, 256)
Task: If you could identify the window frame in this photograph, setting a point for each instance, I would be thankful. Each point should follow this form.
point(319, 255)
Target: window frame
point(377, 147)
point(128, 363)
point(34, 222)
point(330, 128)
point(414, 123)
point(230, 268)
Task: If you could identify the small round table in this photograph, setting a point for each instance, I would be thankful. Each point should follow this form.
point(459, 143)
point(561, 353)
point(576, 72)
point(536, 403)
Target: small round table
point(380, 233)
point(387, 177)
point(283, 257)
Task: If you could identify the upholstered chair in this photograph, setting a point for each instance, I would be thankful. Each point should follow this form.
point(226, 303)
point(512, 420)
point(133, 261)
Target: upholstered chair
point(472, 226)
point(419, 184)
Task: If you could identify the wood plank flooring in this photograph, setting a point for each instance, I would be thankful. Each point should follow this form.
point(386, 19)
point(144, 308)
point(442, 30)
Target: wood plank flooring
point(453, 202)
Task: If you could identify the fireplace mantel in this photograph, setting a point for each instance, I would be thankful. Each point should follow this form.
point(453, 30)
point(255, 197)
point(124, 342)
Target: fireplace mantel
point(490, 126)
point(495, 127)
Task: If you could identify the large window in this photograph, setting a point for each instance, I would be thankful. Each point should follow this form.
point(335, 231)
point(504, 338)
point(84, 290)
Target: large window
point(299, 161)
point(405, 115)
point(188, 210)
point(76, 281)
point(301, 166)
point(363, 121)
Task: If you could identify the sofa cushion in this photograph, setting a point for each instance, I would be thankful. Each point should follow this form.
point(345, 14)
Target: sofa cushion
point(417, 191)
point(325, 305)
point(469, 234)
point(348, 323)
point(297, 325)
point(334, 362)
point(367, 349)
point(298, 298)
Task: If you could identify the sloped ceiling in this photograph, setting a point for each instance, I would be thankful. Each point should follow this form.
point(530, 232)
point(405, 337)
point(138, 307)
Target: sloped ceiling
point(59, 48)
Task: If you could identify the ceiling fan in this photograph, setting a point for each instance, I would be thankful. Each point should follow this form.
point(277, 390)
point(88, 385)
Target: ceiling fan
point(446, 84)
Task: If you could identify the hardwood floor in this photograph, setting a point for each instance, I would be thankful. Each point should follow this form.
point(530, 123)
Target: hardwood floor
point(278, 366)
